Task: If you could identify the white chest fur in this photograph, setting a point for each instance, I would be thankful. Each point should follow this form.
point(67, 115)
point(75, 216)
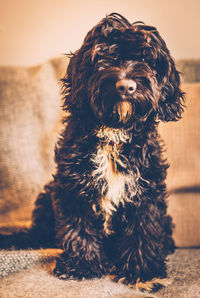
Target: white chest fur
point(116, 186)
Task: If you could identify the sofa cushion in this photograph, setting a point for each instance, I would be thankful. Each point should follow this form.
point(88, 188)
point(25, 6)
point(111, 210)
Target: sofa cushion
point(184, 209)
point(29, 114)
point(182, 141)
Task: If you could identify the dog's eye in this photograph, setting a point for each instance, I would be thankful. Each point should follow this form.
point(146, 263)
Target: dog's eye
point(106, 63)
point(140, 59)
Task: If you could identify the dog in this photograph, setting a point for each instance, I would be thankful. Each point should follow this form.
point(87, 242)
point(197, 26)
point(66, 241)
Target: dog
point(106, 205)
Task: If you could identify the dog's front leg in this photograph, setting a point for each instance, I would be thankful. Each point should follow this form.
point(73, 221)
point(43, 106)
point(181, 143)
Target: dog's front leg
point(139, 250)
point(83, 255)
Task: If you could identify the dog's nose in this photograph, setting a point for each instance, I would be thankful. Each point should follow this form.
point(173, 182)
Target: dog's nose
point(126, 86)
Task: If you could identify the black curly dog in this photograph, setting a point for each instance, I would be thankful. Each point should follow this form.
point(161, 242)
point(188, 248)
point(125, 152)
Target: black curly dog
point(106, 204)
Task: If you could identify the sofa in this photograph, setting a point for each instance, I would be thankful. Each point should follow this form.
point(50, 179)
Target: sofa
point(30, 121)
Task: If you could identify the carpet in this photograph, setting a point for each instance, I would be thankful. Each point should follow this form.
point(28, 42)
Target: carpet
point(28, 273)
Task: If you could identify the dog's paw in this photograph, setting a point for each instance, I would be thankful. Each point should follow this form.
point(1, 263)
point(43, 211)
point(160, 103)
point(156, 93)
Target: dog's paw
point(68, 270)
point(145, 286)
point(151, 286)
point(64, 274)
point(64, 270)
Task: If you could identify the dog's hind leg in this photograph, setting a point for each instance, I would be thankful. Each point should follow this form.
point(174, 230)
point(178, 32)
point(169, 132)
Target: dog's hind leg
point(41, 232)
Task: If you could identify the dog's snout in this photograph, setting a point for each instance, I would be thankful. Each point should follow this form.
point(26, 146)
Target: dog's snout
point(126, 86)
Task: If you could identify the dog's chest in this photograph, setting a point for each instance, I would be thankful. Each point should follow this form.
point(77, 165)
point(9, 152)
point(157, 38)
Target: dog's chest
point(113, 176)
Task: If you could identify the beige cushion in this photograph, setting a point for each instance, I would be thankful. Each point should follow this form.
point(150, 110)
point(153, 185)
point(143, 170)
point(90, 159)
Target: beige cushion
point(29, 112)
point(184, 208)
point(182, 140)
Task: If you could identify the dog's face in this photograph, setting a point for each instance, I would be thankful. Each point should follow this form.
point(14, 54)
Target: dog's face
point(123, 75)
point(123, 93)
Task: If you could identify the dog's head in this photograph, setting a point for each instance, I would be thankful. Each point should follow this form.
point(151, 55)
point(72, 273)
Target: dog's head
point(123, 74)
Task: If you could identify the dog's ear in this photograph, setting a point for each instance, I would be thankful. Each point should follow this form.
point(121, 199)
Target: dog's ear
point(71, 85)
point(171, 102)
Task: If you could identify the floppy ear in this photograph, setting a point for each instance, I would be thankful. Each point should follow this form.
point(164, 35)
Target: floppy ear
point(73, 84)
point(171, 102)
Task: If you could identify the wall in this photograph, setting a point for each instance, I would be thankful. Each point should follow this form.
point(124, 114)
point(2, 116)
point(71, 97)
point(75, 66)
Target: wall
point(31, 31)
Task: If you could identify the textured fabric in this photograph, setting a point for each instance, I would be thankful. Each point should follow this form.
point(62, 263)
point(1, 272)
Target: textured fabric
point(29, 112)
point(15, 261)
point(190, 69)
point(182, 141)
point(32, 277)
point(184, 209)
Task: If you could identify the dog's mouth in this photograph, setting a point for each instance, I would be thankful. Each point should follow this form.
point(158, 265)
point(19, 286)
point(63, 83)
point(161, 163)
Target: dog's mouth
point(123, 111)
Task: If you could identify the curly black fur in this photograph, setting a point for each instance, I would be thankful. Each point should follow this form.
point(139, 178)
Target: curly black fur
point(106, 204)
